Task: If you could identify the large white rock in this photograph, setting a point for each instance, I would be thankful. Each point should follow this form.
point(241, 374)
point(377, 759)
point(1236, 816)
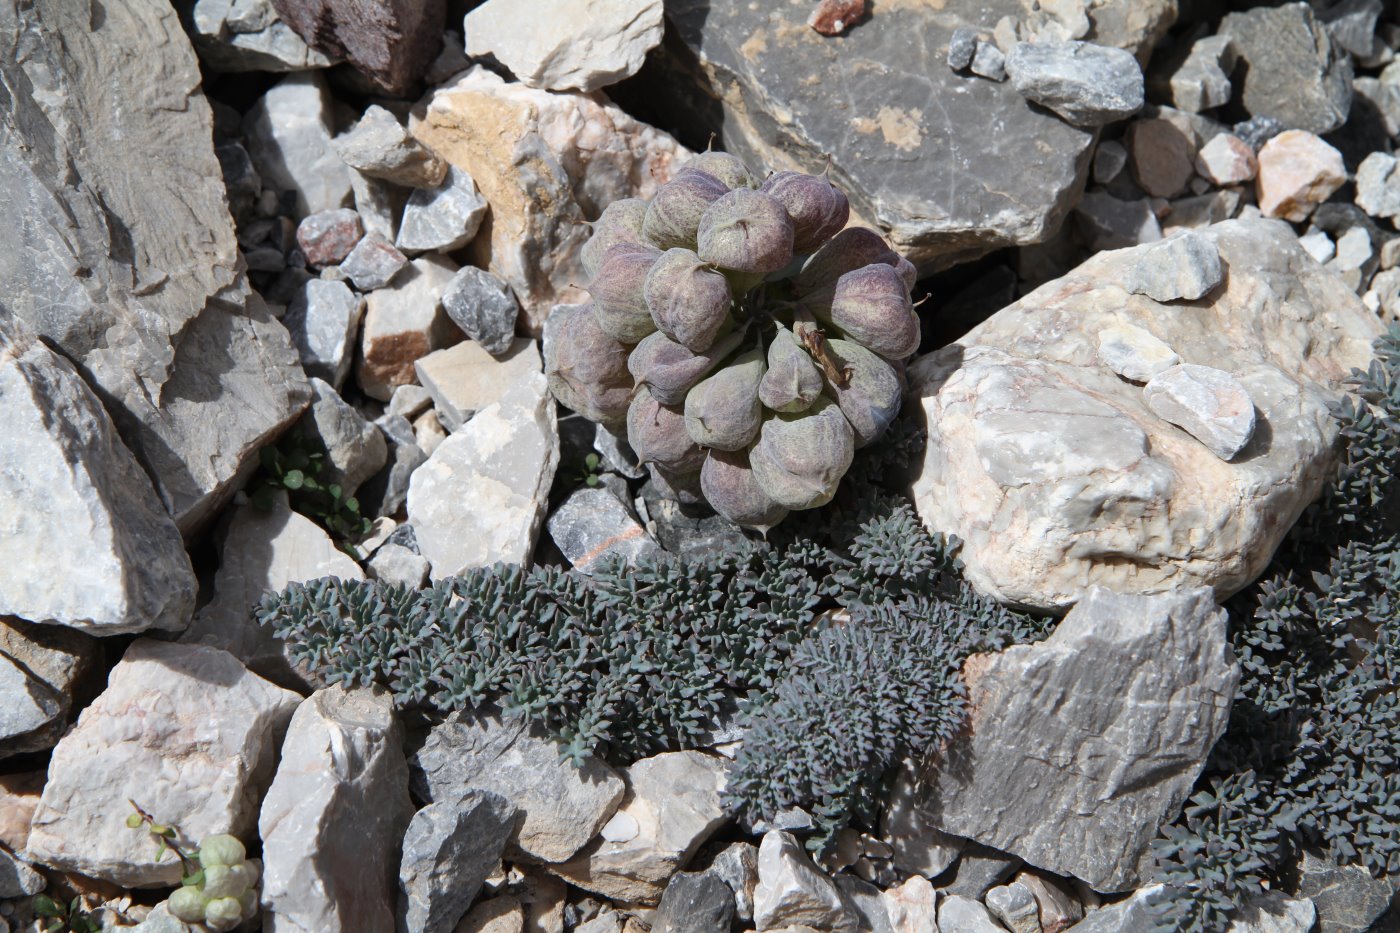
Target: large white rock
point(334, 818)
point(262, 552)
point(185, 731)
point(289, 137)
point(84, 541)
point(546, 163)
point(673, 804)
point(564, 44)
point(1055, 472)
point(793, 892)
point(481, 496)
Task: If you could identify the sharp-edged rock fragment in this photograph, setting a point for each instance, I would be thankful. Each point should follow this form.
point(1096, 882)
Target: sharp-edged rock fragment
point(593, 525)
point(483, 307)
point(1297, 172)
point(1111, 223)
point(1293, 74)
point(1276, 912)
point(1141, 689)
point(498, 133)
point(1378, 186)
point(373, 263)
point(1016, 907)
point(910, 906)
point(1209, 404)
point(793, 892)
point(1202, 80)
point(1184, 266)
point(289, 137)
point(919, 846)
point(404, 322)
point(989, 62)
point(737, 867)
point(672, 805)
point(1134, 353)
point(333, 821)
point(962, 46)
point(75, 499)
point(503, 914)
point(1059, 907)
point(694, 903)
point(1133, 914)
point(262, 552)
point(380, 146)
point(1162, 157)
point(1347, 898)
point(180, 729)
point(56, 662)
point(248, 35)
point(1226, 160)
point(566, 44)
point(449, 849)
point(355, 448)
point(444, 217)
point(324, 320)
point(563, 806)
point(31, 713)
point(396, 564)
point(1087, 84)
point(327, 237)
point(391, 41)
point(959, 914)
point(464, 379)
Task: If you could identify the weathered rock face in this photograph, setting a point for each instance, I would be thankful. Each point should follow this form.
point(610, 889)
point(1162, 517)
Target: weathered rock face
point(448, 850)
point(289, 134)
point(76, 499)
point(1293, 73)
point(335, 816)
point(391, 41)
point(263, 552)
point(481, 496)
point(563, 806)
point(1107, 724)
point(545, 163)
point(181, 729)
point(134, 274)
point(50, 662)
point(1057, 475)
point(898, 140)
point(792, 891)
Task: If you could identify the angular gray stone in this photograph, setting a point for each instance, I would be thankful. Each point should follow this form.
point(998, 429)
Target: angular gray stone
point(1134, 353)
point(1110, 223)
point(386, 492)
point(443, 217)
point(373, 263)
point(135, 274)
point(593, 525)
point(396, 564)
point(75, 497)
point(1135, 914)
point(867, 901)
point(180, 729)
point(289, 134)
point(484, 307)
point(1087, 84)
point(962, 45)
point(379, 203)
point(59, 659)
point(17, 879)
point(1110, 158)
point(1016, 907)
point(772, 76)
point(978, 869)
point(248, 35)
point(380, 146)
point(1347, 898)
point(563, 806)
point(1209, 404)
point(1059, 908)
point(31, 713)
point(355, 448)
point(1353, 24)
point(465, 379)
point(919, 846)
point(1294, 75)
point(404, 322)
point(1378, 186)
point(792, 891)
point(694, 903)
point(449, 849)
point(959, 914)
point(1275, 912)
point(737, 867)
point(1185, 265)
point(333, 820)
point(327, 237)
point(1127, 697)
point(1202, 81)
point(989, 62)
point(324, 320)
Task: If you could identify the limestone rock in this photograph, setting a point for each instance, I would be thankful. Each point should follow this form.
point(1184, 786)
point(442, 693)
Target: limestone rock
point(1133, 353)
point(979, 868)
point(502, 914)
point(289, 137)
point(53, 661)
point(1111, 223)
point(791, 890)
point(1087, 84)
point(1297, 172)
point(385, 493)
point(380, 146)
point(334, 818)
point(324, 320)
point(737, 867)
point(31, 712)
point(1226, 160)
point(396, 564)
point(180, 729)
point(404, 322)
point(897, 146)
point(1016, 907)
point(959, 914)
point(1049, 496)
point(19, 798)
point(1132, 915)
point(672, 805)
point(1202, 80)
point(248, 35)
point(919, 847)
point(483, 307)
point(1185, 265)
point(355, 448)
point(867, 901)
point(261, 553)
point(989, 62)
point(1275, 912)
point(76, 498)
point(1378, 186)
point(327, 237)
point(1209, 404)
point(566, 44)
point(373, 263)
point(694, 903)
point(134, 274)
point(1347, 898)
point(481, 496)
point(910, 906)
point(1294, 75)
point(563, 806)
point(448, 850)
point(444, 217)
point(1059, 908)
point(545, 163)
point(1127, 697)
point(465, 379)
point(391, 41)
point(594, 525)
point(1163, 158)
point(380, 203)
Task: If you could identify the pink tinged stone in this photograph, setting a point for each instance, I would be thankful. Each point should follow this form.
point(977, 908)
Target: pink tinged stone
point(1226, 160)
point(327, 237)
point(1209, 404)
point(1297, 172)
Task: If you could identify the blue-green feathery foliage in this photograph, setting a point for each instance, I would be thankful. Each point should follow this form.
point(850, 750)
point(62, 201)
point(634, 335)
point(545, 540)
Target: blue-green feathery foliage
point(1311, 757)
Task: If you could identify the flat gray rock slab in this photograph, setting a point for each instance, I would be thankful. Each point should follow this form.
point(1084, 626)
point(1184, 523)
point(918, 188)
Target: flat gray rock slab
point(593, 525)
point(905, 135)
point(448, 850)
point(1185, 265)
point(1086, 84)
point(1209, 404)
point(1107, 723)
